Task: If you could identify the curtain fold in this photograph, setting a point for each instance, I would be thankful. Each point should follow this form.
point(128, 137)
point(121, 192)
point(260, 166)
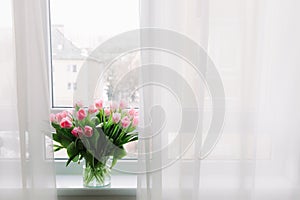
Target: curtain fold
point(254, 47)
point(27, 167)
point(168, 152)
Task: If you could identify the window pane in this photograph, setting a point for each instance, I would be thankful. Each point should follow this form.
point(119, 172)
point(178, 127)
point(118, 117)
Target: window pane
point(77, 28)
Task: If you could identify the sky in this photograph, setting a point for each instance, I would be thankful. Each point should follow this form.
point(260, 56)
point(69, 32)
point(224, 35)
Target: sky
point(88, 22)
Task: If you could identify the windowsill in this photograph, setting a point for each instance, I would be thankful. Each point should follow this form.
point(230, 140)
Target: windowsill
point(69, 181)
point(124, 187)
point(121, 185)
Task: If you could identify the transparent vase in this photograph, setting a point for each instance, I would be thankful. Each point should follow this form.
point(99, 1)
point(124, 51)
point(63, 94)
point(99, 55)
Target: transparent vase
point(96, 176)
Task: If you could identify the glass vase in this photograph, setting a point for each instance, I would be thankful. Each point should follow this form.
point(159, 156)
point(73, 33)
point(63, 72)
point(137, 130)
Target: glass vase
point(96, 176)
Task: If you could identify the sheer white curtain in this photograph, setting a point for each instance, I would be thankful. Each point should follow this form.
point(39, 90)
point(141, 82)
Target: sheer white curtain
point(255, 46)
point(26, 169)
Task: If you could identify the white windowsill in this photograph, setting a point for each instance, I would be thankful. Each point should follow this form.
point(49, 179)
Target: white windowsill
point(69, 182)
point(121, 185)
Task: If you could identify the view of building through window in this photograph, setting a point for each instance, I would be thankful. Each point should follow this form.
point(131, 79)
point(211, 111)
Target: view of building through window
point(76, 31)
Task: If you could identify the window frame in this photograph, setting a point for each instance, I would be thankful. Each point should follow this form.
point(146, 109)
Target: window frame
point(126, 163)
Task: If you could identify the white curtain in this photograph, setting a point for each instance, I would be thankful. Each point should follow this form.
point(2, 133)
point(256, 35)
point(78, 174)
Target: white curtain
point(255, 46)
point(26, 166)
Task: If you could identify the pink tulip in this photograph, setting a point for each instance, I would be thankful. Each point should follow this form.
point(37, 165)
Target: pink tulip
point(69, 117)
point(116, 117)
point(64, 114)
point(81, 114)
point(66, 123)
point(113, 106)
point(122, 105)
point(135, 121)
point(77, 131)
point(88, 131)
point(99, 104)
point(78, 104)
point(52, 118)
point(59, 117)
point(107, 111)
point(92, 109)
point(132, 113)
point(125, 122)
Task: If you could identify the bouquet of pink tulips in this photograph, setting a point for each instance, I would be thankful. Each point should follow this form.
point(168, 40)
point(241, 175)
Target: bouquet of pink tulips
point(95, 134)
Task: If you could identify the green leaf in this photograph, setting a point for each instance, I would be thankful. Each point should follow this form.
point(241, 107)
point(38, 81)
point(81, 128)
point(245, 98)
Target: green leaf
point(118, 154)
point(72, 150)
point(56, 138)
point(69, 160)
point(80, 157)
point(114, 162)
point(79, 145)
point(129, 138)
point(56, 145)
point(133, 139)
point(64, 136)
point(56, 126)
point(116, 129)
point(65, 143)
point(88, 158)
point(57, 148)
point(76, 158)
point(120, 136)
point(66, 133)
point(104, 122)
point(130, 129)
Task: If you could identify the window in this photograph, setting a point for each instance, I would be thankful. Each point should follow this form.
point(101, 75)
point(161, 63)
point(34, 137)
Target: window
point(74, 86)
point(72, 68)
point(76, 30)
